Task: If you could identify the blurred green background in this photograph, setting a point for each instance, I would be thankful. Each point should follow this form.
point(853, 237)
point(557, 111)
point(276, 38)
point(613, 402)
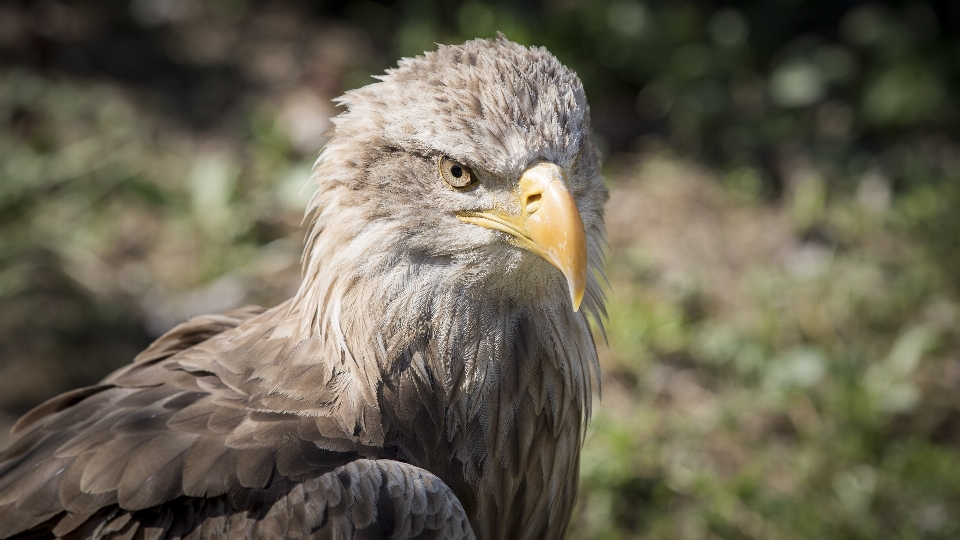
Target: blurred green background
point(783, 356)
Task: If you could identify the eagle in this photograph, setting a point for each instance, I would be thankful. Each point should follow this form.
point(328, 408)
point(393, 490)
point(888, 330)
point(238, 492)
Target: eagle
point(432, 377)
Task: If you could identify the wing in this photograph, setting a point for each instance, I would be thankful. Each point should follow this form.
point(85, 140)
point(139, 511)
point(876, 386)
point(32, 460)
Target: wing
point(364, 499)
point(228, 426)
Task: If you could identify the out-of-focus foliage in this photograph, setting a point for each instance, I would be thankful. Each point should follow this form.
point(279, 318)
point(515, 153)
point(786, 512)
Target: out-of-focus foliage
point(761, 383)
point(784, 355)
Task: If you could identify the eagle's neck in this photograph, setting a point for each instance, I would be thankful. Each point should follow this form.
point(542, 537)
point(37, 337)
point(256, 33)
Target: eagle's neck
point(486, 389)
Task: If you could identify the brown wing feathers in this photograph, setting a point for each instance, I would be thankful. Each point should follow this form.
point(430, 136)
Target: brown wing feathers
point(364, 499)
point(182, 448)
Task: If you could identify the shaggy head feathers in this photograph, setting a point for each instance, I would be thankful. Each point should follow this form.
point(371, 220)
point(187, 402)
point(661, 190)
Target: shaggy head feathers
point(494, 105)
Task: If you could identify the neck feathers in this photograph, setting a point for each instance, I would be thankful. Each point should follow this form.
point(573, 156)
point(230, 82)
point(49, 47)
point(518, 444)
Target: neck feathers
point(464, 368)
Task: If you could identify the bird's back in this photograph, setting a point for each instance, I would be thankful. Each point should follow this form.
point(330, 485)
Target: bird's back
point(164, 448)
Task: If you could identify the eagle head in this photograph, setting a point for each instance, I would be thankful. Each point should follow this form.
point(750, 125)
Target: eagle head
point(471, 167)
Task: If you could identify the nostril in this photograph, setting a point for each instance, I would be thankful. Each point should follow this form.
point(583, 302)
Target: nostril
point(535, 198)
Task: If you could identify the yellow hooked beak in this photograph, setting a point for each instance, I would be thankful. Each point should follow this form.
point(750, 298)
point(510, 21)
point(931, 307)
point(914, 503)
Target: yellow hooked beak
point(549, 224)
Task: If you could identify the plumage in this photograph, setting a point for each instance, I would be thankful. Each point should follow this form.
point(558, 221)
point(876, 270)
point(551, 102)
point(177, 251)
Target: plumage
point(431, 378)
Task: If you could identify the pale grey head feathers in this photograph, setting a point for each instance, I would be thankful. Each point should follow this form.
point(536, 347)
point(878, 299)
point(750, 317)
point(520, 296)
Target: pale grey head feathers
point(494, 105)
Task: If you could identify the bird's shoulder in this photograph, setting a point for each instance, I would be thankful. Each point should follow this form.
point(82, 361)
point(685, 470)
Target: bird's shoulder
point(227, 408)
point(179, 338)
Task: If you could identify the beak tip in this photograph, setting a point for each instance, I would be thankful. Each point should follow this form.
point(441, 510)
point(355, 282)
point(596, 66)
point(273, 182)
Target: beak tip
point(576, 296)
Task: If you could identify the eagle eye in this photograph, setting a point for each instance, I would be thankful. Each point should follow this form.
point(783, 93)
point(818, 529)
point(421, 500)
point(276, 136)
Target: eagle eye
point(455, 173)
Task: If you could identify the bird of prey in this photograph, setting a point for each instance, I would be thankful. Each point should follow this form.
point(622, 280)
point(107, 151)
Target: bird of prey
point(432, 376)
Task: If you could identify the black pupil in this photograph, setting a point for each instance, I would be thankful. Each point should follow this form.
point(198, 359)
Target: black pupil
point(456, 171)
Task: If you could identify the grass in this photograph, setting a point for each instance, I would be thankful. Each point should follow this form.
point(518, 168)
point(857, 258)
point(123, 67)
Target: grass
point(762, 381)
